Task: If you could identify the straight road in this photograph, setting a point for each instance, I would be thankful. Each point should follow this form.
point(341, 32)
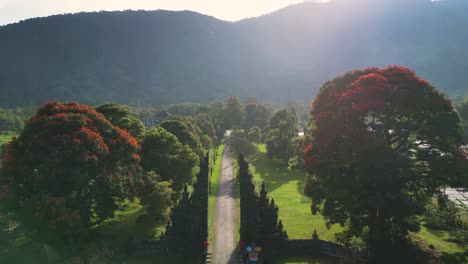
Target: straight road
point(224, 249)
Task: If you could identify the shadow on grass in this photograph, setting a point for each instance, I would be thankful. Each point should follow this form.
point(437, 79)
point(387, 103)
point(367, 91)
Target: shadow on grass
point(19, 246)
point(459, 237)
point(454, 258)
point(275, 173)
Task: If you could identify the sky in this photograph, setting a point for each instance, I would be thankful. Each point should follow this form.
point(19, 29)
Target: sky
point(12, 11)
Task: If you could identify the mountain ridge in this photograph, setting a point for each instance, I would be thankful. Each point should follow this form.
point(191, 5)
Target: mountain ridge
point(175, 56)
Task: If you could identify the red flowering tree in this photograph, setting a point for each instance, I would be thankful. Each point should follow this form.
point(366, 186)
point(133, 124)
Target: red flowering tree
point(383, 141)
point(68, 169)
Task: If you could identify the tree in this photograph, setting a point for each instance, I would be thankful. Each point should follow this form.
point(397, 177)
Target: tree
point(200, 126)
point(383, 142)
point(283, 130)
point(184, 135)
point(10, 121)
point(68, 170)
point(240, 144)
point(250, 115)
point(156, 196)
point(263, 114)
point(257, 115)
point(120, 116)
point(206, 125)
point(233, 113)
point(162, 153)
point(254, 134)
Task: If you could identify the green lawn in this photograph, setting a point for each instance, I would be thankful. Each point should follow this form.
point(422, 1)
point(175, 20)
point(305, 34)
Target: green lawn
point(123, 225)
point(214, 189)
point(18, 246)
point(314, 260)
point(449, 242)
point(237, 196)
point(5, 138)
point(286, 187)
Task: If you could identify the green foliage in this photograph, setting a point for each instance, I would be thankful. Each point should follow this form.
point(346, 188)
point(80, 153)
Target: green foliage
point(296, 163)
point(201, 126)
point(239, 144)
point(205, 124)
point(259, 214)
point(187, 239)
point(283, 131)
point(255, 134)
point(446, 217)
point(120, 116)
point(257, 115)
point(185, 133)
point(12, 120)
point(233, 113)
point(357, 244)
point(162, 153)
point(456, 258)
point(156, 196)
point(379, 151)
point(5, 138)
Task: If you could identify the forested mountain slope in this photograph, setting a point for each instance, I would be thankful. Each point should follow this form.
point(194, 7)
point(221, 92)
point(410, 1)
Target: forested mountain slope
point(168, 57)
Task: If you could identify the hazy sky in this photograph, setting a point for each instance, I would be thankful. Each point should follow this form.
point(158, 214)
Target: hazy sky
point(15, 10)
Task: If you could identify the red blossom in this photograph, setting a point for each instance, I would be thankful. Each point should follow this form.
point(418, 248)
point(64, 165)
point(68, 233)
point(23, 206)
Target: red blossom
point(343, 105)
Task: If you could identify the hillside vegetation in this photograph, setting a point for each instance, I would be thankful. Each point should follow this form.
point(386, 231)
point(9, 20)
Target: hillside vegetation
point(168, 57)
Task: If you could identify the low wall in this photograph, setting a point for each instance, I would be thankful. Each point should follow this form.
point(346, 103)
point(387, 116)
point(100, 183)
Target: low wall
point(303, 247)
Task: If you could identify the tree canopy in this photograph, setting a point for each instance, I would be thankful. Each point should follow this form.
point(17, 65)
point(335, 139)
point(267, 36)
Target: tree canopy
point(173, 161)
point(283, 129)
point(120, 116)
point(233, 113)
point(383, 141)
point(185, 133)
point(68, 170)
point(257, 115)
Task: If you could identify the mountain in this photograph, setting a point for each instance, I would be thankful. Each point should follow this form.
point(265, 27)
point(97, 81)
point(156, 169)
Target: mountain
point(167, 57)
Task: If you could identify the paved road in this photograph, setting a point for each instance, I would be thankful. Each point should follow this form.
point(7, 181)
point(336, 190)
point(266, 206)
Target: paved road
point(225, 215)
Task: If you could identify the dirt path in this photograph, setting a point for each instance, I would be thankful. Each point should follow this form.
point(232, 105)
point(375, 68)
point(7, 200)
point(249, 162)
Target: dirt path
point(225, 215)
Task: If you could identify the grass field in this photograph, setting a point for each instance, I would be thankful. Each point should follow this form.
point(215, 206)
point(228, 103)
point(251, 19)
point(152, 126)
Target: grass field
point(286, 187)
point(448, 242)
point(214, 190)
point(237, 197)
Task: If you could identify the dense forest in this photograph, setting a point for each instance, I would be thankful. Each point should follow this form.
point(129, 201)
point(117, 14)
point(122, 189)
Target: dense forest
point(168, 57)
